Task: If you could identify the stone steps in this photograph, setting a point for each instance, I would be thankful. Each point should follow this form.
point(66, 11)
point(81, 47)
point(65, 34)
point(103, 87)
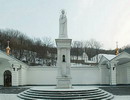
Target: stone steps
point(89, 94)
point(72, 93)
point(65, 96)
point(61, 94)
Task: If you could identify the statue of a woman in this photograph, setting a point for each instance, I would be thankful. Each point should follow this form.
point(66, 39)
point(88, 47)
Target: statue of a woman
point(63, 25)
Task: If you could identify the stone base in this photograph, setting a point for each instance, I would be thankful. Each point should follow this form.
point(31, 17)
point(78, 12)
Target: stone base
point(64, 83)
point(44, 93)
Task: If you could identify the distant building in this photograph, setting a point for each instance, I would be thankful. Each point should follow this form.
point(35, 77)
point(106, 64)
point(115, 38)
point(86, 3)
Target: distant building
point(98, 57)
point(115, 69)
point(83, 59)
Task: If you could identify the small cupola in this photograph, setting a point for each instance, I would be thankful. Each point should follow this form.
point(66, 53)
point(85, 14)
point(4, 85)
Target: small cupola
point(117, 49)
point(8, 48)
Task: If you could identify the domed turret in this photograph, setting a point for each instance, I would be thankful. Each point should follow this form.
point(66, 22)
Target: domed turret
point(117, 49)
point(8, 49)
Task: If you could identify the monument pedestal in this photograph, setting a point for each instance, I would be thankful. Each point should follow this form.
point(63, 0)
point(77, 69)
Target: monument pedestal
point(64, 83)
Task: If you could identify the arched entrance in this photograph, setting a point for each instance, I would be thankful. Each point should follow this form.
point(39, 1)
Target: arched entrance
point(7, 78)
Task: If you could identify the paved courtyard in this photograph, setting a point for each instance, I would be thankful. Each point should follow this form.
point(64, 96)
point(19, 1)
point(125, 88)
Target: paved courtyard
point(14, 97)
point(117, 90)
point(120, 92)
point(12, 90)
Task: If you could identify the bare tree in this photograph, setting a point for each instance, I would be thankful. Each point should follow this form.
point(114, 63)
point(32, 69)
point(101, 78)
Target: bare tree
point(47, 42)
point(77, 49)
point(92, 47)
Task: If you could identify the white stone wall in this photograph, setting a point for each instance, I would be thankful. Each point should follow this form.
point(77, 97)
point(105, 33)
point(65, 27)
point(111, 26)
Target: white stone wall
point(47, 76)
point(85, 75)
point(128, 74)
point(41, 76)
point(23, 76)
point(123, 74)
point(105, 75)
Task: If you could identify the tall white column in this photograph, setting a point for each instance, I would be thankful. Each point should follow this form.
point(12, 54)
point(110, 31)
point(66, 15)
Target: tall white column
point(15, 74)
point(20, 75)
point(113, 73)
point(100, 70)
point(128, 75)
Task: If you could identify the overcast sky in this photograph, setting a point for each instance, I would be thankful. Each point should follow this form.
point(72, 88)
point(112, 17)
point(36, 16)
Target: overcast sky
point(106, 21)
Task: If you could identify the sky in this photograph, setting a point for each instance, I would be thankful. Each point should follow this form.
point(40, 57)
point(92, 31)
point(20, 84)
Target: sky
point(106, 21)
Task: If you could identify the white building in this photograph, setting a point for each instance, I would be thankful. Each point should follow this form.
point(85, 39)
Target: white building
point(115, 70)
point(12, 71)
point(81, 59)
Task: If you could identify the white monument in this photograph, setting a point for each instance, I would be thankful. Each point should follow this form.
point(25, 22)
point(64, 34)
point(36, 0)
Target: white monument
point(64, 87)
point(63, 54)
point(63, 25)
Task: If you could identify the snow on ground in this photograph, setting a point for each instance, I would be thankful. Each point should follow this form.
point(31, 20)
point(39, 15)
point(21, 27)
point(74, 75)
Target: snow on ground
point(9, 97)
point(14, 97)
point(121, 97)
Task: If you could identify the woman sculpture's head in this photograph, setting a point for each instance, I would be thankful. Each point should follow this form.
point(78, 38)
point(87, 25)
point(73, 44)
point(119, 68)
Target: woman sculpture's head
point(63, 11)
